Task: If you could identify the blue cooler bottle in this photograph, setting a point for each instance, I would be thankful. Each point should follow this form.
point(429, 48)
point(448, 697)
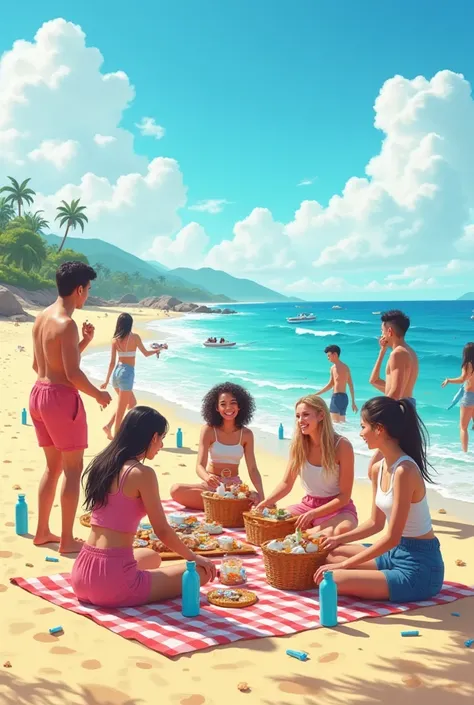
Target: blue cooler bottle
point(179, 438)
point(21, 516)
point(328, 601)
point(190, 587)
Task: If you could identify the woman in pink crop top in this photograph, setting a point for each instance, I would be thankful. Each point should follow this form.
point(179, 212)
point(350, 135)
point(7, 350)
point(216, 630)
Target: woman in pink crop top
point(227, 409)
point(325, 463)
point(120, 490)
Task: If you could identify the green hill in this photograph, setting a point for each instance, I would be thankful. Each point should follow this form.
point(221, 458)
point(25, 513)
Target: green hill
point(238, 289)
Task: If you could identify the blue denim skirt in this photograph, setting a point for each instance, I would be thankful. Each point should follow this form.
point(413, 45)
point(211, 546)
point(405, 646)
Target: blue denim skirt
point(414, 570)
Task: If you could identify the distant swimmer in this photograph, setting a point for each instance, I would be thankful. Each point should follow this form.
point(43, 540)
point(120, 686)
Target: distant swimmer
point(402, 366)
point(339, 379)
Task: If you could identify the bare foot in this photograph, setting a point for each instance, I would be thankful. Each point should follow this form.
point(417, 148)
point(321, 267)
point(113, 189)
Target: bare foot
point(73, 546)
point(48, 537)
point(108, 432)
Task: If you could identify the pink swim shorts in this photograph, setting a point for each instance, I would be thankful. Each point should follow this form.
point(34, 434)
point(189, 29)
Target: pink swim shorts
point(308, 503)
point(109, 577)
point(58, 416)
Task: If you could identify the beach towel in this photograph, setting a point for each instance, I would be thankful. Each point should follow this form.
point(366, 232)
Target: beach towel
point(162, 627)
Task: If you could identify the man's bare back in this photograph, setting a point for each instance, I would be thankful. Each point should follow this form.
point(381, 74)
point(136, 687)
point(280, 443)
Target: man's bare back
point(340, 374)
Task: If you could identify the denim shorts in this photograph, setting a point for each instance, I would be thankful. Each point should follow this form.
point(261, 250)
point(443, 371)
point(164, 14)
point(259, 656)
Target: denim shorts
point(467, 399)
point(123, 377)
point(339, 403)
point(414, 570)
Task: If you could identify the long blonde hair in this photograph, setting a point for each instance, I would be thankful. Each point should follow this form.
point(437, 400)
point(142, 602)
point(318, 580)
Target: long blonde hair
point(301, 444)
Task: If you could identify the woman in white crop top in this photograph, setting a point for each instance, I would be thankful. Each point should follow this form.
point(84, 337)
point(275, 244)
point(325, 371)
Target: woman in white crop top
point(405, 563)
point(325, 463)
point(125, 344)
point(225, 439)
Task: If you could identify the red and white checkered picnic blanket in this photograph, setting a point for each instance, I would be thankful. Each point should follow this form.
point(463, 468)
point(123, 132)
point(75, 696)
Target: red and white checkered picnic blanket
point(162, 627)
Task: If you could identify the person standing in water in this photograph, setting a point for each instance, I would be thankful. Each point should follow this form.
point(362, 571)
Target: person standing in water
point(227, 409)
point(467, 400)
point(339, 379)
point(125, 344)
point(401, 371)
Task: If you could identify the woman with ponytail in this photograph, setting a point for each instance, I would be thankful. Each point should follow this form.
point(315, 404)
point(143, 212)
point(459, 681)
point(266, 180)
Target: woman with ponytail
point(405, 563)
point(325, 463)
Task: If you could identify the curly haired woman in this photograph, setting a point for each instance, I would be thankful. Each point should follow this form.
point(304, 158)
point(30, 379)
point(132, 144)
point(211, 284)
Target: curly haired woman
point(225, 439)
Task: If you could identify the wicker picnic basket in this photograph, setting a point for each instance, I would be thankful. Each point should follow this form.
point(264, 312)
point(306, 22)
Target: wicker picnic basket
point(260, 529)
point(291, 571)
point(225, 511)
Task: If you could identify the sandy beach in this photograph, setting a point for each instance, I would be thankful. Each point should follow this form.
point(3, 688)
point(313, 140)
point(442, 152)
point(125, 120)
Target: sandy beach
point(364, 662)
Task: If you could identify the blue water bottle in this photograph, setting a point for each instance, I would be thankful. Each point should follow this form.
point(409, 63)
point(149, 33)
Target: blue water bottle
point(179, 438)
point(190, 586)
point(328, 601)
point(281, 433)
point(21, 516)
point(23, 417)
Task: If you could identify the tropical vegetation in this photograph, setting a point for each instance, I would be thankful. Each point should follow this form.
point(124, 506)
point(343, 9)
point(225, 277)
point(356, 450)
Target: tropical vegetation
point(27, 261)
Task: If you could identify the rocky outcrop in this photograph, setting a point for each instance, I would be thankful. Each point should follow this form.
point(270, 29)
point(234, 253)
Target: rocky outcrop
point(97, 301)
point(185, 307)
point(128, 299)
point(32, 299)
point(10, 306)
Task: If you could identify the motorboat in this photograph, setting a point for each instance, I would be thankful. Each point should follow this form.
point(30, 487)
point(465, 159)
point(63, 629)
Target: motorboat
point(376, 313)
point(302, 318)
point(225, 344)
point(337, 308)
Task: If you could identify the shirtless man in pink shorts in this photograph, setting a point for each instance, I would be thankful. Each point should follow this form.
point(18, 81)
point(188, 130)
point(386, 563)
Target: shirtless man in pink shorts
point(56, 408)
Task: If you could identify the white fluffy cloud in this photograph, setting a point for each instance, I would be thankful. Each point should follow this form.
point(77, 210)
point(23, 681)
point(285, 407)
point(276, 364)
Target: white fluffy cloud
point(149, 128)
point(184, 250)
point(414, 205)
point(59, 125)
point(212, 205)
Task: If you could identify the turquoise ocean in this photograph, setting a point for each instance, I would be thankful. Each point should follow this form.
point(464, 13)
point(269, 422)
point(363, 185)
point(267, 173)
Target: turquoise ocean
point(279, 362)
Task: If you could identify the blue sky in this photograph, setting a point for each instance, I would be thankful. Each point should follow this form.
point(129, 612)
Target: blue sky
point(256, 96)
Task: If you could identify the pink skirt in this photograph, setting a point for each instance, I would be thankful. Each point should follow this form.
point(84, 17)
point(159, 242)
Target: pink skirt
point(308, 503)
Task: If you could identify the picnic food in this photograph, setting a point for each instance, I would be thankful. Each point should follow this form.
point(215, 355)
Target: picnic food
point(232, 598)
point(226, 505)
point(290, 563)
point(266, 524)
point(232, 572)
point(85, 520)
point(212, 527)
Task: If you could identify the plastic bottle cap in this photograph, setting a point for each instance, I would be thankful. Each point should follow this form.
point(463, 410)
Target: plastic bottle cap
point(21, 496)
point(190, 564)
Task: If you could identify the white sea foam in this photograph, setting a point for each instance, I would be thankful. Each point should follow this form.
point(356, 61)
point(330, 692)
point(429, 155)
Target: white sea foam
point(316, 333)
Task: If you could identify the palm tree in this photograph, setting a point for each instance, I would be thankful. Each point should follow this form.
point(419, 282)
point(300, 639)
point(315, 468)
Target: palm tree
point(18, 193)
point(7, 212)
point(71, 214)
point(35, 222)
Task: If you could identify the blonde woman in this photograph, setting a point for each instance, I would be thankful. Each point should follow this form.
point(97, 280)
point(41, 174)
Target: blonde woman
point(325, 463)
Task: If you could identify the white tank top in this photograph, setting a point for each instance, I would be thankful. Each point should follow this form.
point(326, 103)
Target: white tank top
point(418, 521)
point(229, 454)
point(318, 483)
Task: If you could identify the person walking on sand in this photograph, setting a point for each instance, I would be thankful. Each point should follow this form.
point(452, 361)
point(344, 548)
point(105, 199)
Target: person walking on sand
point(56, 407)
point(227, 409)
point(339, 379)
point(112, 570)
point(467, 400)
point(125, 344)
point(324, 462)
point(404, 564)
point(402, 366)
